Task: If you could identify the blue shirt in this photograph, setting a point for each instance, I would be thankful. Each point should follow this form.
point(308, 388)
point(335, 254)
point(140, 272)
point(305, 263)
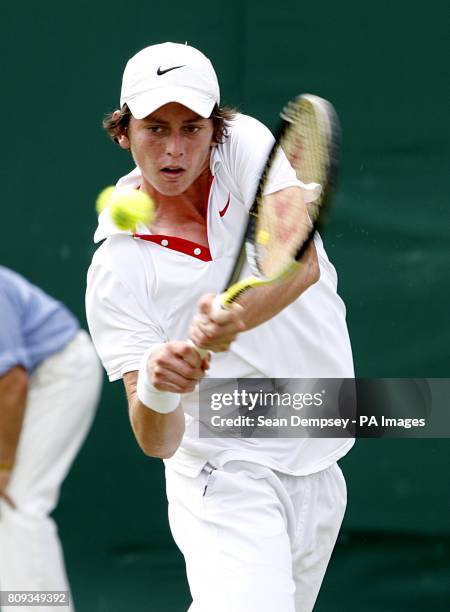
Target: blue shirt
point(33, 325)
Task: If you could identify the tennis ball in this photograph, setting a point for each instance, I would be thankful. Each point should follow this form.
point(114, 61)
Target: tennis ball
point(263, 237)
point(103, 199)
point(131, 207)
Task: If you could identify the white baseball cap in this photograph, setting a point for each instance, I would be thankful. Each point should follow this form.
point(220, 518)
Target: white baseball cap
point(169, 72)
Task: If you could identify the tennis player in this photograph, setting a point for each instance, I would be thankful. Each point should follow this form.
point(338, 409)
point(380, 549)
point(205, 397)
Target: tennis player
point(256, 519)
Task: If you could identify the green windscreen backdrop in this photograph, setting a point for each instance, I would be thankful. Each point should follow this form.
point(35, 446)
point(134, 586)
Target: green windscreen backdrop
point(384, 65)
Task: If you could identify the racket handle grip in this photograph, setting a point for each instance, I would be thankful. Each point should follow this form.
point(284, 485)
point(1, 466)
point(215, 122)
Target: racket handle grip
point(200, 351)
point(218, 303)
point(217, 306)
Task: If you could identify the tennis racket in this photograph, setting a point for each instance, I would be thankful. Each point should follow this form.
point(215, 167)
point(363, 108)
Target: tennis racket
point(280, 228)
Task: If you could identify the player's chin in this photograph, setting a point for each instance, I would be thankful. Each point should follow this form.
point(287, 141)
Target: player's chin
point(171, 190)
point(172, 186)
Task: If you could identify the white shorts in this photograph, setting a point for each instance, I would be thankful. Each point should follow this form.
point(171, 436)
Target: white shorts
point(255, 540)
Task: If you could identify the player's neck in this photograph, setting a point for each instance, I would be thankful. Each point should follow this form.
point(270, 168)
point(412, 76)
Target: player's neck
point(184, 214)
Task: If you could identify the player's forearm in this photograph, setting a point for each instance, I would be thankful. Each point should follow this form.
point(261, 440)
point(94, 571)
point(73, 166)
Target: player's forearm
point(263, 303)
point(13, 397)
point(158, 435)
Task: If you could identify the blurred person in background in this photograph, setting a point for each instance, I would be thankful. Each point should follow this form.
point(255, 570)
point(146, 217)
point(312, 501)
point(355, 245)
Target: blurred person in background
point(50, 382)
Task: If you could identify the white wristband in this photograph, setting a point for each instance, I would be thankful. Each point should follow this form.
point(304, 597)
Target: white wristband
point(160, 401)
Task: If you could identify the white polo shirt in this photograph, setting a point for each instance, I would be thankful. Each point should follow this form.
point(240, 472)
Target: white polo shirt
point(144, 289)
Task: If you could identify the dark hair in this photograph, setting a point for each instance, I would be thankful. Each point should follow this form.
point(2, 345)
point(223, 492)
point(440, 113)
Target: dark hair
point(116, 123)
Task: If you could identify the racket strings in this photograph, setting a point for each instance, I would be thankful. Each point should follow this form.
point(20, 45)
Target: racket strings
point(283, 223)
point(307, 144)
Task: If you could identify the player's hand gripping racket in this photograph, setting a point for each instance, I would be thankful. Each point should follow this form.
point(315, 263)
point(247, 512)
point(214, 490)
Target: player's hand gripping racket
point(280, 227)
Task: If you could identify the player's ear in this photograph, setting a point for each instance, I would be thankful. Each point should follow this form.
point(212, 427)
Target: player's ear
point(123, 141)
point(122, 137)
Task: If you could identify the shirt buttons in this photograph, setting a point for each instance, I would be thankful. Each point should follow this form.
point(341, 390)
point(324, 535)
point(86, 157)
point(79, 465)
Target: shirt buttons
point(165, 242)
point(197, 251)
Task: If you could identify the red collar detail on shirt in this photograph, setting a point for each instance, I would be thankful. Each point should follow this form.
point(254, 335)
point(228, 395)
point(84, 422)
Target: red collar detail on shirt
point(198, 251)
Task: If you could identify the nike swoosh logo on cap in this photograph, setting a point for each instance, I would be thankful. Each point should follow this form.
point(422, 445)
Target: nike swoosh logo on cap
point(159, 72)
point(225, 208)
